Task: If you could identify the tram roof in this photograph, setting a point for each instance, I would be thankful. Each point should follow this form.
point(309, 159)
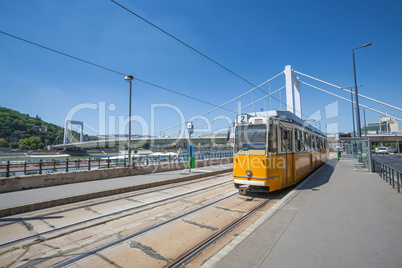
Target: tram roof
point(287, 116)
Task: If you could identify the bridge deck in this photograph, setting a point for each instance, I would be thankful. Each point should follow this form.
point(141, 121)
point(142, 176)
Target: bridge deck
point(336, 218)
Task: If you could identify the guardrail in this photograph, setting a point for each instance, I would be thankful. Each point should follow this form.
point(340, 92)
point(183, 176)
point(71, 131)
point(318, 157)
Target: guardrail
point(95, 163)
point(388, 173)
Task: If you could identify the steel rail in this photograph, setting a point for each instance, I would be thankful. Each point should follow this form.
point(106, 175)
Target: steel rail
point(18, 220)
point(122, 240)
point(39, 237)
point(184, 258)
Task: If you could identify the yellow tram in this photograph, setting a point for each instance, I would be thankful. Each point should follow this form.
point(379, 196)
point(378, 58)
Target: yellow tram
point(275, 149)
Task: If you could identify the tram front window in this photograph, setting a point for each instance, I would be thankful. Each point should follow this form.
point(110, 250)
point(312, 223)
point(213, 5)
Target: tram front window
point(251, 139)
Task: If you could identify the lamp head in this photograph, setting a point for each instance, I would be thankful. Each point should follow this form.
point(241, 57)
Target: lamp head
point(129, 78)
point(367, 45)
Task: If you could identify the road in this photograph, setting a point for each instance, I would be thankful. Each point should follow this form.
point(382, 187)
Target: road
point(394, 161)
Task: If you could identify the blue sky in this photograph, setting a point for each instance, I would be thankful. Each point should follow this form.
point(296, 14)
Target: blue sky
point(255, 39)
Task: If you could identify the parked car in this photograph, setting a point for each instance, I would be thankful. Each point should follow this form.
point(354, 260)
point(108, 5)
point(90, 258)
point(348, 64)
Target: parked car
point(381, 150)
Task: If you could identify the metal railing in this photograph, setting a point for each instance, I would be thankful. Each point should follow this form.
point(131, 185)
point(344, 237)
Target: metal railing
point(89, 164)
point(388, 173)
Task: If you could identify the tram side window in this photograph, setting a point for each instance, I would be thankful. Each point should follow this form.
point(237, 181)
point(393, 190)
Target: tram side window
point(286, 144)
point(272, 139)
point(313, 142)
point(298, 140)
point(306, 140)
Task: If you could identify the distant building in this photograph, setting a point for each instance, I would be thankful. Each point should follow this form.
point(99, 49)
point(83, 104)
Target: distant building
point(387, 124)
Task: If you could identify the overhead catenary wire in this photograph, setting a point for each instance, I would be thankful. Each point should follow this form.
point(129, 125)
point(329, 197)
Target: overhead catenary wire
point(248, 105)
point(120, 73)
point(183, 43)
point(192, 48)
point(226, 103)
point(105, 68)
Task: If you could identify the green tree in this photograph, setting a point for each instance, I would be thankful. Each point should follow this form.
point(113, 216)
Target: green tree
point(32, 143)
point(4, 143)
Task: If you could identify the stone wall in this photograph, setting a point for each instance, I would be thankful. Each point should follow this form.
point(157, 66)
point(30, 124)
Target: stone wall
point(53, 179)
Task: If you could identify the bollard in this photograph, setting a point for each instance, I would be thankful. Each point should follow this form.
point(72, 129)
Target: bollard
point(108, 162)
point(99, 162)
point(40, 166)
point(25, 167)
point(124, 162)
point(398, 177)
point(54, 165)
point(147, 160)
point(8, 169)
point(89, 163)
point(67, 165)
point(78, 164)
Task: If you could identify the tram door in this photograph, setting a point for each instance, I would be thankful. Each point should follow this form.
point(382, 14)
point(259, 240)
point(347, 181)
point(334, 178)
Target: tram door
point(287, 152)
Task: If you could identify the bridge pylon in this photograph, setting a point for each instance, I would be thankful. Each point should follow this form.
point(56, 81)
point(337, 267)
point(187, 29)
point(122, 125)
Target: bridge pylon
point(293, 101)
point(72, 122)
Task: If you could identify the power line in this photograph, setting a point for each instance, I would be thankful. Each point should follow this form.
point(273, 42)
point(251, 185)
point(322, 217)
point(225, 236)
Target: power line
point(183, 43)
point(178, 93)
point(108, 69)
point(195, 50)
point(64, 54)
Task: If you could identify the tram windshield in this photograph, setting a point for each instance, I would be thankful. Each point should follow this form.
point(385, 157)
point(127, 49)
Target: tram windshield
point(251, 139)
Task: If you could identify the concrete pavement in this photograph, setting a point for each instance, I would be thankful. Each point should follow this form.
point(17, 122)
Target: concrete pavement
point(336, 218)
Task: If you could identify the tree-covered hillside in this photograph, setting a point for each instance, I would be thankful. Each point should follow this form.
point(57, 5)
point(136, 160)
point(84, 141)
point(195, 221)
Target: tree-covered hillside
point(30, 133)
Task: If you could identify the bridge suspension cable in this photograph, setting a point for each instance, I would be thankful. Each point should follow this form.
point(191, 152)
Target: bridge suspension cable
point(349, 91)
point(248, 105)
point(349, 100)
point(226, 103)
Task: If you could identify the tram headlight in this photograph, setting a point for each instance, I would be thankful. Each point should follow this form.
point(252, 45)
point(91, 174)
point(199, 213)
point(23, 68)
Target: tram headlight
point(248, 172)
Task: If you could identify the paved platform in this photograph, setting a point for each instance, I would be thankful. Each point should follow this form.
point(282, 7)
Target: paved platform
point(12, 203)
point(336, 218)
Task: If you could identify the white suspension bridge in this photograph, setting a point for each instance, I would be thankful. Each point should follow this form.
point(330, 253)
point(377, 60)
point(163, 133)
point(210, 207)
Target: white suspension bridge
point(293, 104)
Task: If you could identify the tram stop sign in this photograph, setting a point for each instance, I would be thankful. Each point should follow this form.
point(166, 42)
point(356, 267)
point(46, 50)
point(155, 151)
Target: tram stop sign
point(190, 127)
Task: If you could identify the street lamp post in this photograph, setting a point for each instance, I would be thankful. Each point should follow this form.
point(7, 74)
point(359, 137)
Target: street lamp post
point(359, 134)
point(353, 113)
point(365, 128)
point(353, 109)
point(129, 78)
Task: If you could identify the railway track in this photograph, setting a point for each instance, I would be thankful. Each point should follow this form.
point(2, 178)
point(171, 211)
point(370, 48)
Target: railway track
point(167, 226)
point(95, 257)
point(14, 220)
point(97, 220)
point(196, 250)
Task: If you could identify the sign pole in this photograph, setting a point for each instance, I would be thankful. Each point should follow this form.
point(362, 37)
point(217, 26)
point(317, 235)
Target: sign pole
point(190, 128)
